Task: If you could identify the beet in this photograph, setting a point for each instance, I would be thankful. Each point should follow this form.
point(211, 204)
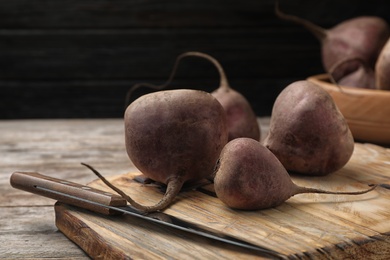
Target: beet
point(242, 120)
point(173, 137)
point(249, 177)
point(362, 37)
point(308, 133)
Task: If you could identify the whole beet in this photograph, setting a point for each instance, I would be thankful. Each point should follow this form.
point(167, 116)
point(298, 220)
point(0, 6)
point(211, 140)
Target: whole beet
point(241, 119)
point(244, 176)
point(358, 37)
point(249, 177)
point(362, 37)
point(175, 137)
point(308, 133)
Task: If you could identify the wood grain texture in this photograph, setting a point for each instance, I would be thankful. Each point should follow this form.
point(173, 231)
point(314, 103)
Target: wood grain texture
point(56, 148)
point(307, 226)
point(24, 230)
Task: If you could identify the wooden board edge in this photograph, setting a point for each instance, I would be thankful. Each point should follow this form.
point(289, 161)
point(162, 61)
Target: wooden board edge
point(76, 231)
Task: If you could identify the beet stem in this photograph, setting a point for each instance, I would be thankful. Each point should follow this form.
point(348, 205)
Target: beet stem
point(223, 79)
point(173, 188)
point(138, 85)
point(300, 190)
point(117, 190)
point(319, 32)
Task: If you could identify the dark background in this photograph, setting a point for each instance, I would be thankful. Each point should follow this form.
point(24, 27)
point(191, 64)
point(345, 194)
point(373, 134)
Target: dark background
point(77, 59)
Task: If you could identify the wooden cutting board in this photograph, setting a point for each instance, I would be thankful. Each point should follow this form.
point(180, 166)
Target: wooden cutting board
point(307, 226)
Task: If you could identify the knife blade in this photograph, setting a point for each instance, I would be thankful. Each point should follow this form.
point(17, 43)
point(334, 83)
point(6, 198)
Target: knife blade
point(111, 204)
point(385, 185)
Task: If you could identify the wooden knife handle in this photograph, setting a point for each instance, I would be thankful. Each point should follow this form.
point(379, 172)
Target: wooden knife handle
point(43, 185)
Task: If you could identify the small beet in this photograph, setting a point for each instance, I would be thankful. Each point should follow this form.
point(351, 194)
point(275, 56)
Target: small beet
point(382, 68)
point(307, 132)
point(241, 119)
point(362, 36)
point(249, 177)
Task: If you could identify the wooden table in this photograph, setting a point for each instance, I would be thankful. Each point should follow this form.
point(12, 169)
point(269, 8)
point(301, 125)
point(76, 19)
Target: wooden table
point(55, 148)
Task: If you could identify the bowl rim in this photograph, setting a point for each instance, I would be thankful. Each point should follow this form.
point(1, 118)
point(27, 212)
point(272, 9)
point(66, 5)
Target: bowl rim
point(324, 80)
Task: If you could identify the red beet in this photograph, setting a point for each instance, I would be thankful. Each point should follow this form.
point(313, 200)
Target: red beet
point(361, 37)
point(173, 137)
point(250, 177)
point(308, 133)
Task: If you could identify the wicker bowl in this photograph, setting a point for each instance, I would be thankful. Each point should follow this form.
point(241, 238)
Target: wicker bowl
point(367, 111)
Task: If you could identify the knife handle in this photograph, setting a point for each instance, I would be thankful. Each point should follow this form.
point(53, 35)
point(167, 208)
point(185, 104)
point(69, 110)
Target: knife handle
point(54, 188)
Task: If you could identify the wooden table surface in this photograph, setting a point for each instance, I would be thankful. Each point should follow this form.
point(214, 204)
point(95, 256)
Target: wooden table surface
point(55, 148)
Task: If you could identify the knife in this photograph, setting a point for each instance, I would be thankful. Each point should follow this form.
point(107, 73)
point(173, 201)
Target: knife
point(111, 204)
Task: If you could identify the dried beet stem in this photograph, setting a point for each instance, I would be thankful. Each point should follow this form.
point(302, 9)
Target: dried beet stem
point(173, 188)
point(300, 190)
point(117, 190)
point(319, 32)
point(138, 85)
point(223, 79)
